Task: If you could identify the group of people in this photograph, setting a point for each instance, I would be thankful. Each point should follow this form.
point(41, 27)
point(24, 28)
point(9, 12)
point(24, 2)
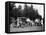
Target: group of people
point(21, 22)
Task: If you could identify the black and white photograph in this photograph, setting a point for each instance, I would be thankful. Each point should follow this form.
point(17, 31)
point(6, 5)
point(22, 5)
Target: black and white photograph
point(24, 17)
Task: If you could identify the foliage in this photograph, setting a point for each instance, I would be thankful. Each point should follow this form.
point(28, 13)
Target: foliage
point(26, 12)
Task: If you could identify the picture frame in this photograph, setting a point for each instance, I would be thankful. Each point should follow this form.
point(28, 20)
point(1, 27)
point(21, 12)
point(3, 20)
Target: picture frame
point(7, 18)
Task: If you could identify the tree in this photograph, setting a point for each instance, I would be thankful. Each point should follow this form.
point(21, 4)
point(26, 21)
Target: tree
point(28, 12)
point(19, 7)
point(25, 12)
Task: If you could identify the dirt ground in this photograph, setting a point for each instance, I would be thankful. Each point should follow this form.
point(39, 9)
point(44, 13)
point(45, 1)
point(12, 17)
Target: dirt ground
point(28, 28)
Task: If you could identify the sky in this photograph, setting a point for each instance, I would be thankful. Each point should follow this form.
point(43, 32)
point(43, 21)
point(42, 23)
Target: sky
point(35, 6)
